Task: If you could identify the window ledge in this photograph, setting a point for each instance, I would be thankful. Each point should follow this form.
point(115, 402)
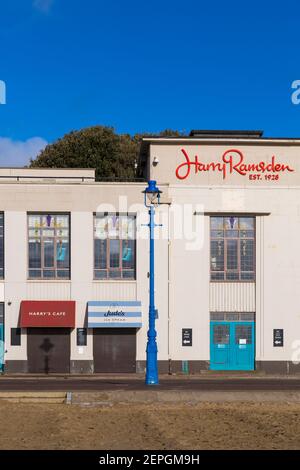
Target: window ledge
point(54, 281)
point(115, 281)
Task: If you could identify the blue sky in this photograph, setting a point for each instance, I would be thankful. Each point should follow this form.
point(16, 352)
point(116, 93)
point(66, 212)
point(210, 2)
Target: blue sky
point(145, 66)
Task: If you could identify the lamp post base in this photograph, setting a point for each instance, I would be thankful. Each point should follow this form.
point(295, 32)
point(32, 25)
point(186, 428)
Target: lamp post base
point(151, 369)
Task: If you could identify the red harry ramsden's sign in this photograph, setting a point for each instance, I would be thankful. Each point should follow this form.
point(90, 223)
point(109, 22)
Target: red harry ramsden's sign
point(47, 313)
point(232, 162)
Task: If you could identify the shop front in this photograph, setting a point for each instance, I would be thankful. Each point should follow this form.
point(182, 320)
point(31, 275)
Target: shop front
point(48, 324)
point(114, 325)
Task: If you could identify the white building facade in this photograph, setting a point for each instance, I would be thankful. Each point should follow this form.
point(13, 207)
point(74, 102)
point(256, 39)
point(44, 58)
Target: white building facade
point(74, 261)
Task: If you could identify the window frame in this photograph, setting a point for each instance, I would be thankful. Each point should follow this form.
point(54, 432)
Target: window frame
point(3, 245)
point(55, 278)
point(224, 239)
point(108, 268)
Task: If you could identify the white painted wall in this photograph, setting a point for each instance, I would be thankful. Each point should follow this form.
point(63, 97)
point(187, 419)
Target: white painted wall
point(184, 295)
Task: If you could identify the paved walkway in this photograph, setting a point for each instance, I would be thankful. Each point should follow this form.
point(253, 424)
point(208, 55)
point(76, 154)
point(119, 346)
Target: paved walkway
point(134, 382)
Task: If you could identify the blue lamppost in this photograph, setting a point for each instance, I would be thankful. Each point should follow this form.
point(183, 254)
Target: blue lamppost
point(152, 198)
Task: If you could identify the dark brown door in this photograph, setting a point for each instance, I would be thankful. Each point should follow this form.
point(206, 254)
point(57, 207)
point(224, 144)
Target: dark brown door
point(114, 350)
point(48, 350)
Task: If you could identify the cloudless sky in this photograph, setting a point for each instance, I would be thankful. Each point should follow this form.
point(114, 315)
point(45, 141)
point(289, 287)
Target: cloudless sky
point(145, 66)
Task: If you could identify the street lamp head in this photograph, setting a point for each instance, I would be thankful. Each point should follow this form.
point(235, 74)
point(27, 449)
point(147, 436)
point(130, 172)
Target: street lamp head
point(152, 193)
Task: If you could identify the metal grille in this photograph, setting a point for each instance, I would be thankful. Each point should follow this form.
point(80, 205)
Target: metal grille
point(241, 316)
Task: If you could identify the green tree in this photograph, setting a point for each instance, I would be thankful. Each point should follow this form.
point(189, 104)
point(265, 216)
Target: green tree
point(114, 156)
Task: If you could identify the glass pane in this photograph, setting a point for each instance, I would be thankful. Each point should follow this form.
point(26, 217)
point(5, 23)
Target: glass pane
point(48, 221)
point(232, 254)
point(100, 227)
point(61, 221)
point(35, 232)
point(217, 276)
point(217, 234)
point(230, 276)
point(221, 334)
point(100, 274)
point(216, 223)
point(247, 276)
point(62, 253)
point(128, 254)
point(232, 316)
point(231, 223)
point(246, 223)
point(247, 255)
point(35, 273)
point(34, 221)
point(128, 274)
point(63, 274)
point(114, 254)
point(247, 316)
point(217, 316)
point(61, 232)
point(127, 227)
point(34, 253)
point(246, 234)
point(113, 226)
point(243, 334)
point(81, 336)
point(49, 253)
point(217, 255)
point(100, 253)
point(48, 273)
point(114, 274)
point(231, 233)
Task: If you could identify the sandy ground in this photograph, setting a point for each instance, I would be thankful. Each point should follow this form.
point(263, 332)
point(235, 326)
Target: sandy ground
point(154, 426)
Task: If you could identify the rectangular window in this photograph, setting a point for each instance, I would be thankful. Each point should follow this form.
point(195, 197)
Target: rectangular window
point(81, 336)
point(232, 248)
point(49, 246)
point(241, 316)
point(15, 339)
point(1, 245)
point(114, 246)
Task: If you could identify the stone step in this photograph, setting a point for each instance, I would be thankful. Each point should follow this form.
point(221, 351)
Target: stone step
point(33, 397)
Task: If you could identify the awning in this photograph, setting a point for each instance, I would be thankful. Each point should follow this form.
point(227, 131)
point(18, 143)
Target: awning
point(47, 313)
point(118, 314)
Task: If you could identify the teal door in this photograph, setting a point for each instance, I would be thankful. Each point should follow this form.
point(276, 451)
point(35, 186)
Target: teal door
point(232, 345)
point(1, 347)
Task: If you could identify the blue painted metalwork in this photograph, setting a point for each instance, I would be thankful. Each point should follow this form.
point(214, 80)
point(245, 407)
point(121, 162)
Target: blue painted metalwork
point(232, 345)
point(151, 350)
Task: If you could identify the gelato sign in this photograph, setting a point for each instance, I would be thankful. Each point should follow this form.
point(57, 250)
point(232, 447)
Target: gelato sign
point(232, 162)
